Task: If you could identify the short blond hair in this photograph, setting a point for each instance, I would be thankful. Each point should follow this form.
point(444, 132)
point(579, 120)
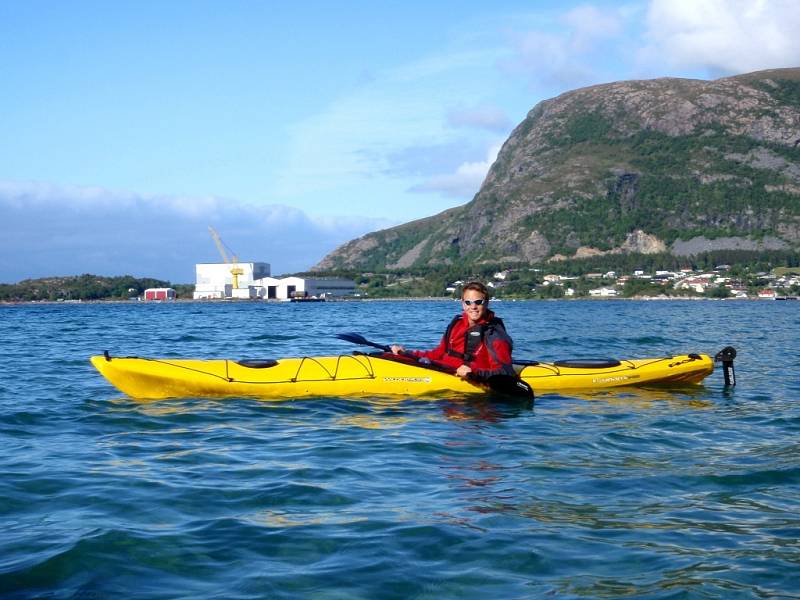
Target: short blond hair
point(476, 286)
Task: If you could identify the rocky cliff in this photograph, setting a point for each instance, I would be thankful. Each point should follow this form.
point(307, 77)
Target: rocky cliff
point(664, 165)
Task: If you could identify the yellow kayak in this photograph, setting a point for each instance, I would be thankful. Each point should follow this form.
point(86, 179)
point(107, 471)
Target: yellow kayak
point(360, 375)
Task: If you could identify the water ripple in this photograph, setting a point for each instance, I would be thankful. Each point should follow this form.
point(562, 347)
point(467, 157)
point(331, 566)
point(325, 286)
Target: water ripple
point(649, 493)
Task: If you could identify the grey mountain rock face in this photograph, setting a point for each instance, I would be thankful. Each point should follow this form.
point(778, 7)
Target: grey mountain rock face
point(663, 165)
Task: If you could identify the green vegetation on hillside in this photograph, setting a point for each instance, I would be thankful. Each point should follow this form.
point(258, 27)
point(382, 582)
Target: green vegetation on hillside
point(739, 260)
point(785, 91)
point(670, 201)
point(527, 281)
point(84, 287)
point(583, 127)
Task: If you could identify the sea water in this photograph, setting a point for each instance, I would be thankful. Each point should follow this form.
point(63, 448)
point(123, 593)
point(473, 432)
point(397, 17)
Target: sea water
point(691, 492)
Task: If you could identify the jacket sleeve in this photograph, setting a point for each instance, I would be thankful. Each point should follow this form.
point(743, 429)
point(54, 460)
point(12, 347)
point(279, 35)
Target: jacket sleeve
point(500, 360)
point(437, 353)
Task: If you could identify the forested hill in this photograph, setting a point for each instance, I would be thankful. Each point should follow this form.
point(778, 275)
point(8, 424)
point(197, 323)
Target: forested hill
point(676, 166)
point(83, 287)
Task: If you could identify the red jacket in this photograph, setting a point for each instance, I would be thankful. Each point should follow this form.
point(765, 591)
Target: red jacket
point(483, 363)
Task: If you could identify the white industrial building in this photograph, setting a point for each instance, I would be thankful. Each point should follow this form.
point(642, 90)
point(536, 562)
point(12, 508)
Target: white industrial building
point(225, 280)
point(286, 288)
point(251, 281)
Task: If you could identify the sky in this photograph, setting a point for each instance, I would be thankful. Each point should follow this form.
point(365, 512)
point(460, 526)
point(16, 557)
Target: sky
point(129, 127)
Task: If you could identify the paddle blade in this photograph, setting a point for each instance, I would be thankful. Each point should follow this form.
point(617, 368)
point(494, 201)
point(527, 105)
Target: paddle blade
point(355, 338)
point(508, 385)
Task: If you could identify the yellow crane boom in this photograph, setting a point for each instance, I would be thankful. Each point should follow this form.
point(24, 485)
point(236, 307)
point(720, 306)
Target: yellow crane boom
point(236, 270)
point(218, 242)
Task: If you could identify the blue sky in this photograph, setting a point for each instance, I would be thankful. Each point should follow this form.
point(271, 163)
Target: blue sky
point(126, 128)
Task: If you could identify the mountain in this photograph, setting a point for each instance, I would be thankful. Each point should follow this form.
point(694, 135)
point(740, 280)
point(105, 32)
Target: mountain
point(678, 166)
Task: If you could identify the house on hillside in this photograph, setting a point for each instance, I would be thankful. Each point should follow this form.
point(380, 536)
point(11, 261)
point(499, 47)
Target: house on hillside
point(699, 283)
point(604, 292)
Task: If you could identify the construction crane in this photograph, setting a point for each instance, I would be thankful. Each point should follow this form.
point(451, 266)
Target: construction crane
point(236, 270)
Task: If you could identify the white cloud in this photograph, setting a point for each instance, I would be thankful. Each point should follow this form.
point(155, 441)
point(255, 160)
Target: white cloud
point(347, 151)
point(722, 36)
point(464, 182)
point(34, 194)
point(419, 162)
point(574, 48)
point(63, 230)
point(588, 23)
point(486, 117)
point(600, 42)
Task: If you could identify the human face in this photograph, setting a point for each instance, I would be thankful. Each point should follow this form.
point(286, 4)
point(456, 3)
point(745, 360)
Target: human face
point(473, 311)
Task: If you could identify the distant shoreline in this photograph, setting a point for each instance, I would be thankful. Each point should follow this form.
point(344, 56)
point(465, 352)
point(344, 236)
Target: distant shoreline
point(403, 299)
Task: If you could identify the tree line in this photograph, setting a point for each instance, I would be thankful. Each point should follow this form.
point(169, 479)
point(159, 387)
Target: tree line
point(84, 287)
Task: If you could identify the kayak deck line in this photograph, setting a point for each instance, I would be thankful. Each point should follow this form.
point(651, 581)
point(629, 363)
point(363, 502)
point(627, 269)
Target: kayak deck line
point(375, 374)
point(689, 368)
point(344, 375)
point(621, 365)
point(181, 364)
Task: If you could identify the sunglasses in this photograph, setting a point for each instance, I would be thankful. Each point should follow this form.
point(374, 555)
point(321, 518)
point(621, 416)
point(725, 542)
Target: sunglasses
point(478, 302)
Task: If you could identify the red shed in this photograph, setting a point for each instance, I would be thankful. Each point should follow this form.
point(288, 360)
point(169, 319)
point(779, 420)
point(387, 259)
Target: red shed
point(159, 294)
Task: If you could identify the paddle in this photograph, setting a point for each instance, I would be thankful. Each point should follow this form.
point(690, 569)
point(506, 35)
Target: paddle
point(356, 338)
point(508, 385)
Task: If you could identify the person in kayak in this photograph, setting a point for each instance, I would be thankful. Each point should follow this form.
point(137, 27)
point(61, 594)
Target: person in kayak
point(475, 342)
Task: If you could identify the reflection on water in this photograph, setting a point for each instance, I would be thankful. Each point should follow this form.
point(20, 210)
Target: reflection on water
point(372, 421)
point(278, 519)
point(694, 396)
